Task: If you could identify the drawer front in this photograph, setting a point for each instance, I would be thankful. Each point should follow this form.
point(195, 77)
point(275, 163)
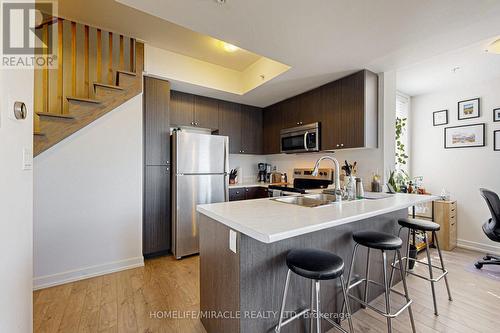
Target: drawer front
point(453, 232)
point(236, 194)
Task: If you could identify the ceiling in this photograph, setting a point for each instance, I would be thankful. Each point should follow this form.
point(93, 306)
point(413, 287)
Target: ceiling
point(321, 40)
point(467, 65)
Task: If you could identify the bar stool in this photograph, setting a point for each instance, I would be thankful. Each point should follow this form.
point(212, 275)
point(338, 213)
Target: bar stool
point(315, 265)
point(383, 242)
point(425, 226)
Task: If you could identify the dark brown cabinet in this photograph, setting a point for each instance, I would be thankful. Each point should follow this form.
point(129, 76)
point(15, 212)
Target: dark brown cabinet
point(346, 109)
point(181, 109)
point(193, 110)
point(156, 187)
point(243, 125)
point(156, 121)
point(156, 231)
point(206, 112)
point(272, 125)
point(230, 116)
point(247, 193)
point(251, 130)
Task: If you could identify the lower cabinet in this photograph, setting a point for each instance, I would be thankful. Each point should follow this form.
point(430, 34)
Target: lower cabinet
point(247, 193)
point(156, 229)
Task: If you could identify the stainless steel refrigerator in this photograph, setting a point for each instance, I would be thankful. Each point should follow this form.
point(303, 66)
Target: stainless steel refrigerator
point(200, 175)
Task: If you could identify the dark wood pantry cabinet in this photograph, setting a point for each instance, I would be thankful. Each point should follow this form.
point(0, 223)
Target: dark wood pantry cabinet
point(156, 228)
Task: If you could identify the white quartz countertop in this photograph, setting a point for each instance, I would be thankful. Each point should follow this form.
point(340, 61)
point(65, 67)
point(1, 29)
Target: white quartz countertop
point(254, 184)
point(270, 221)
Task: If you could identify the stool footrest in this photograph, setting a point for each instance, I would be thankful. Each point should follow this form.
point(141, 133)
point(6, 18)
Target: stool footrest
point(387, 315)
point(436, 279)
point(292, 318)
point(333, 323)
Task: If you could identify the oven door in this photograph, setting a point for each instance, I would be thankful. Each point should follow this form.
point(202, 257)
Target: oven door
point(300, 140)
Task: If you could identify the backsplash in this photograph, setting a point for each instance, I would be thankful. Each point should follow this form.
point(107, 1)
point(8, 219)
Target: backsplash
point(248, 165)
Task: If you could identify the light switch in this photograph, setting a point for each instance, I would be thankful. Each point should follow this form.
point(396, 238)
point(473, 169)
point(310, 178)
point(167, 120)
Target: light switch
point(232, 241)
point(27, 159)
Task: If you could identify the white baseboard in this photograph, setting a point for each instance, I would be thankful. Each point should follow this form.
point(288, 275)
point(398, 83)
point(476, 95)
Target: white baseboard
point(480, 247)
point(46, 281)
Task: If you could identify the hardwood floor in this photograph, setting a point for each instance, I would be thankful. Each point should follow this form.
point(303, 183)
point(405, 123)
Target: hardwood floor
point(127, 301)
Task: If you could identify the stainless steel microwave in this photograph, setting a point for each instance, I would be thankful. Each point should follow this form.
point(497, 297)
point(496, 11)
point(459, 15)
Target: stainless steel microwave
point(300, 139)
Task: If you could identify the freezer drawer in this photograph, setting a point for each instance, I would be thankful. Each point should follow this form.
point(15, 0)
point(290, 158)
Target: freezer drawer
point(192, 190)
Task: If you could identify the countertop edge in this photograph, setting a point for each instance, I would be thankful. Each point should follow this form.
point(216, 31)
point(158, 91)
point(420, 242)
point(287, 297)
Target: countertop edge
point(297, 232)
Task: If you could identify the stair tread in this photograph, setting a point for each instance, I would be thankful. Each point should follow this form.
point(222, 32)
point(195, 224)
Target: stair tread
point(38, 133)
point(105, 85)
point(55, 115)
point(83, 99)
point(127, 72)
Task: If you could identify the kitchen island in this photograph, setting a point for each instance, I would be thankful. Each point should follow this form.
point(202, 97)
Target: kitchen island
point(243, 245)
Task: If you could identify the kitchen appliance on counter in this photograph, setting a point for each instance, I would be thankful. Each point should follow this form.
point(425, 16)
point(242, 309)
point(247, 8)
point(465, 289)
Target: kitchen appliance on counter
point(300, 139)
point(200, 175)
point(262, 167)
point(303, 180)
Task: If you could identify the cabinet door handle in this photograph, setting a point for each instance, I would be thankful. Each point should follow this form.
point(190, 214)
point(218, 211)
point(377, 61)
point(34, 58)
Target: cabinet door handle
point(338, 145)
point(341, 145)
point(195, 124)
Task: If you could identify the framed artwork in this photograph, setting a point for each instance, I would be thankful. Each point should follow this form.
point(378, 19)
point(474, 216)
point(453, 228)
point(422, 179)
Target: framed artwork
point(468, 109)
point(496, 140)
point(496, 114)
point(440, 118)
point(464, 136)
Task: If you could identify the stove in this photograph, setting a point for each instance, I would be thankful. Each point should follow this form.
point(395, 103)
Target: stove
point(303, 180)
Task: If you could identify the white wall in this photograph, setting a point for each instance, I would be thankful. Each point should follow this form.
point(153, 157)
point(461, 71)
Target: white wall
point(16, 204)
point(88, 200)
point(460, 171)
point(248, 165)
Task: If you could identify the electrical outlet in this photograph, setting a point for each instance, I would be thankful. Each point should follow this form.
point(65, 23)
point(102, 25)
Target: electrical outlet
point(232, 241)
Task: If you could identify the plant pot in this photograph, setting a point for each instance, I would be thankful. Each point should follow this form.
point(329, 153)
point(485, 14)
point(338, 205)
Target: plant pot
point(413, 255)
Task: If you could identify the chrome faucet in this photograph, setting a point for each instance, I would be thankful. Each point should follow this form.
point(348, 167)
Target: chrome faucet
point(338, 192)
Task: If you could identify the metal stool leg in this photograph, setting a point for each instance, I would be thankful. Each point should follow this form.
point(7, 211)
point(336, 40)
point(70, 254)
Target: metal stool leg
point(367, 277)
point(350, 275)
point(318, 312)
point(282, 311)
point(434, 237)
point(346, 301)
point(311, 313)
point(394, 261)
point(403, 278)
point(387, 295)
point(429, 264)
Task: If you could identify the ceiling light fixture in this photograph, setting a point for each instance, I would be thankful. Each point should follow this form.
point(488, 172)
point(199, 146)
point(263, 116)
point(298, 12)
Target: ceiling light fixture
point(229, 47)
point(220, 2)
point(494, 47)
point(455, 69)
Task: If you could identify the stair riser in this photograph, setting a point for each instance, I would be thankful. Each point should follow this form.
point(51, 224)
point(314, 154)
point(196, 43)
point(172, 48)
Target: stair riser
point(124, 80)
point(102, 93)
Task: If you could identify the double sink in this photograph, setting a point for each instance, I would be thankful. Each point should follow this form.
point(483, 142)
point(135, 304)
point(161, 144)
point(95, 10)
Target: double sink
point(308, 200)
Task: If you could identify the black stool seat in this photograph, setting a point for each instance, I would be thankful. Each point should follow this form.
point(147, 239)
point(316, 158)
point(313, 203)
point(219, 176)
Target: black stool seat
point(377, 240)
point(418, 224)
point(315, 264)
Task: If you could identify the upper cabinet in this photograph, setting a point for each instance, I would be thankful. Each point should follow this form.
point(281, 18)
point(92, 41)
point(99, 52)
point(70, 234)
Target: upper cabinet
point(206, 112)
point(272, 125)
point(346, 109)
point(243, 125)
point(181, 109)
point(192, 110)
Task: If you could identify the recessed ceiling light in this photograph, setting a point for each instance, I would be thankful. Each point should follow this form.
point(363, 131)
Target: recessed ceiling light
point(494, 47)
point(229, 47)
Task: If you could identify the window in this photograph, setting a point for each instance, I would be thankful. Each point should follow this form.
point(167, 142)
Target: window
point(402, 137)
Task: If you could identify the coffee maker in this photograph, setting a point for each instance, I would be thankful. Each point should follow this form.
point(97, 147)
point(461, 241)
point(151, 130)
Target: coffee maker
point(262, 171)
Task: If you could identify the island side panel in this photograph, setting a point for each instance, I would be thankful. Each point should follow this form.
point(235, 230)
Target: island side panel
point(263, 272)
point(219, 277)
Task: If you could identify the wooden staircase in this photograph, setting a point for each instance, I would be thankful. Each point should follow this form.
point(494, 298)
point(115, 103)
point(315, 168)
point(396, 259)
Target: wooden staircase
point(96, 72)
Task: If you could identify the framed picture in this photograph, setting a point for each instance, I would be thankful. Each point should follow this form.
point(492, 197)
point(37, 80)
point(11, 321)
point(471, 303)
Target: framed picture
point(468, 109)
point(496, 114)
point(464, 136)
point(440, 117)
point(496, 140)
